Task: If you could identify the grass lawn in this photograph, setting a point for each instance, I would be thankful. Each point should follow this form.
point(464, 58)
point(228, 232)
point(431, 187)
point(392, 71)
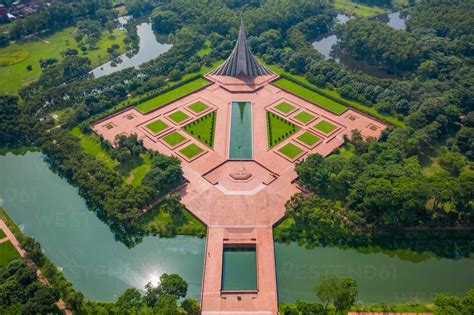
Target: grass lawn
point(172, 95)
point(2, 234)
point(14, 76)
point(174, 138)
point(203, 129)
point(311, 96)
point(206, 49)
point(198, 107)
point(157, 126)
point(290, 150)
point(324, 126)
point(304, 117)
point(278, 129)
point(178, 116)
point(350, 7)
point(308, 138)
point(191, 151)
point(284, 107)
point(7, 253)
point(91, 144)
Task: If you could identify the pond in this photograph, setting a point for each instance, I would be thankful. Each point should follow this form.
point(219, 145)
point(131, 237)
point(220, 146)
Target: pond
point(150, 47)
point(48, 208)
point(325, 43)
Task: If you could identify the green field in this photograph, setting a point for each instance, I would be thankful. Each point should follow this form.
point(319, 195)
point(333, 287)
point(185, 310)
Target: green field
point(308, 138)
point(191, 150)
point(8, 253)
point(311, 96)
point(172, 95)
point(350, 7)
point(90, 143)
point(178, 116)
point(174, 138)
point(2, 234)
point(304, 117)
point(290, 150)
point(278, 129)
point(14, 76)
point(157, 126)
point(284, 108)
point(203, 129)
point(324, 126)
point(198, 107)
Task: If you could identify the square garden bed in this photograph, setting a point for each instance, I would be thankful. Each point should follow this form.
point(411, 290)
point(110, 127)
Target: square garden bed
point(198, 108)
point(304, 117)
point(173, 139)
point(191, 152)
point(157, 126)
point(178, 117)
point(325, 127)
point(290, 151)
point(308, 139)
point(284, 108)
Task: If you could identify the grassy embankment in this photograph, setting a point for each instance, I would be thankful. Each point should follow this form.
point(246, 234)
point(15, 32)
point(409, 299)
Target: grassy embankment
point(21, 54)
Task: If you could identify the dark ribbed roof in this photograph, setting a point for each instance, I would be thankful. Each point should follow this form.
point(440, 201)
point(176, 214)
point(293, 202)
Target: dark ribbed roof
point(241, 61)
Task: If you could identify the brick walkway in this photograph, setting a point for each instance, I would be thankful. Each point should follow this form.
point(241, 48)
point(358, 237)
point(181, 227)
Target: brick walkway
point(239, 211)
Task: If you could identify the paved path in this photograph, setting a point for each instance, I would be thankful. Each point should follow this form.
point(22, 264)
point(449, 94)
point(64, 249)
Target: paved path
point(239, 211)
point(10, 236)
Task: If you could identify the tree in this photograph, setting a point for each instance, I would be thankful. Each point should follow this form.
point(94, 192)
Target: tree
point(191, 306)
point(173, 285)
point(339, 291)
point(453, 162)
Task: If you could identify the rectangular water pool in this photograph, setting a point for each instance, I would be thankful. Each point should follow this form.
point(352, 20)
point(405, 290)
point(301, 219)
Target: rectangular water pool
point(239, 268)
point(240, 145)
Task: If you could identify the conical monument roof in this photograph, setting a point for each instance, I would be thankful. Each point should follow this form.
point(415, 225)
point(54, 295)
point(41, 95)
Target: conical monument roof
point(241, 61)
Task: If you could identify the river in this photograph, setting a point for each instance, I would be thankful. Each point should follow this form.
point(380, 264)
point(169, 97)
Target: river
point(48, 208)
point(150, 47)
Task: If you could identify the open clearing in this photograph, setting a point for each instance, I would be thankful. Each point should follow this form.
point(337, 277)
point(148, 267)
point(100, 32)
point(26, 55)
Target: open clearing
point(8, 253)
point(14, 76)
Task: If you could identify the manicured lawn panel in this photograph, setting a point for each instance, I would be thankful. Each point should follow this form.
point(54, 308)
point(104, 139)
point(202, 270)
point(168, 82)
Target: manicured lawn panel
point(191, 151)
point(198, 107)
point(157, 126)
point(172, 95)
point(173, 138)
point(2, 234)
point(284, 107)
point(308, 138)
point(8, 253)
point(311, 96)
point(203, 129)
point(290, 150)
point(324, 126)
point(178, 116)
point(279, 129)
point(304, 117)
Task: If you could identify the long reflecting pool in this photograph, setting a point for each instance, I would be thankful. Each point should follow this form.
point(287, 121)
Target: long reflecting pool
point(51, 210)
point(240, 146)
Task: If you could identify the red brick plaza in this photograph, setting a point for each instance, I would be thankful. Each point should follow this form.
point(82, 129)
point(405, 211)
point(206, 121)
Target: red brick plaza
point(239, 201)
